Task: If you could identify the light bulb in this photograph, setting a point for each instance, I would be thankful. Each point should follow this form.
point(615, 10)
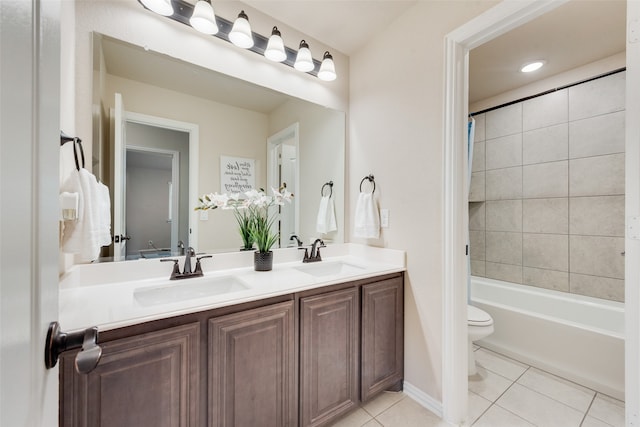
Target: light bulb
point(327, 68)
point(532, 66)
point(275, 47)
point(240, 34)
point(304, 61)
point(203, 18)
point(161, 7)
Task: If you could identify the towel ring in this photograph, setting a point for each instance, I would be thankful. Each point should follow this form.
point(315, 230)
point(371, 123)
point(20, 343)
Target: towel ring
point(330, 184)
point(371, 180)
point(64, 138)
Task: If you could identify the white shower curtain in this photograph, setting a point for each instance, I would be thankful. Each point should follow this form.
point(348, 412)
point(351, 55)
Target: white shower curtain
point(470, 138)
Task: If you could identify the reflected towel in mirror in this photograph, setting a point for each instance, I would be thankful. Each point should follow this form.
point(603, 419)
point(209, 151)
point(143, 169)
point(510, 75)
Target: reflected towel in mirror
point(326, 221)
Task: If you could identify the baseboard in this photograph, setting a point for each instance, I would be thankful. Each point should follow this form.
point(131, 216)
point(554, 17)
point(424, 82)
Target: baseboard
point(423, 398)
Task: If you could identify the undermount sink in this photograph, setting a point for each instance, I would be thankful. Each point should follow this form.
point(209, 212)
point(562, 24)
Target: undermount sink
point(187, 289)
point(321, 268)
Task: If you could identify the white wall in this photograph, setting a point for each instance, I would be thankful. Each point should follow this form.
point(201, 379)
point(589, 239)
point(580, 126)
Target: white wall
point(396, 133)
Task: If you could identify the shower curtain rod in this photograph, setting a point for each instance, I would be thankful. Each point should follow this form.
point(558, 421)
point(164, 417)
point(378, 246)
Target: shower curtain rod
point(506, 104)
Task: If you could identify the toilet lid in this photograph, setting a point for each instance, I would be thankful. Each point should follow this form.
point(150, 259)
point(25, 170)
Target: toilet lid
point(477, 317)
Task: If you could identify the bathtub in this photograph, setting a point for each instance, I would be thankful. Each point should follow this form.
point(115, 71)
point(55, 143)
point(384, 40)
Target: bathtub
point(576, 337)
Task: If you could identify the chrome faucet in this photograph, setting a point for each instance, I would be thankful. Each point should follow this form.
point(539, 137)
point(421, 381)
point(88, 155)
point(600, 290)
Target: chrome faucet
point(180, 247)
point(186, 270)
point(314, 256)
point(296, 238)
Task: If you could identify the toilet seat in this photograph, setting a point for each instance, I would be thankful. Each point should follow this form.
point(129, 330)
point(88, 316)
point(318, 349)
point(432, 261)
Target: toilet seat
point(478, 317)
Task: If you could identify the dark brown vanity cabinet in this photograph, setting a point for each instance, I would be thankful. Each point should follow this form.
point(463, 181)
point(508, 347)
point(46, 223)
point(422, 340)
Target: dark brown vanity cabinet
point(382, 366)
point(252, 368)
point(301, 359)
point(150, 379)
point(329, 355)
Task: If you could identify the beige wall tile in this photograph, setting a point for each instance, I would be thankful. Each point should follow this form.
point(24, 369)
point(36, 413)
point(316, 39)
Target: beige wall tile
point(548, 251)
point(547, 144)
point(477, 187)
point(546, 110)
point(545, 180)
point(505, 272)
point(478, 268)
point(597, 97)
point(596, 286)
point(503, 121)
point(545, 216)
point(597, 216)
point(504, 247)
point(597, 176)
point(504, 184)
point(504, 215)
point(477, 245)
point(480, 127)
point(597, 135)
point(547, 279)
point(504, 152)
point(478, 162)
point(476, 216)
point(597, 256)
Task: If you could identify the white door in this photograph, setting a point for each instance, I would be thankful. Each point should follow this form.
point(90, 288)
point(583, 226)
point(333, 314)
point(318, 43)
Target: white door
point(29, 185)
point(119, 185)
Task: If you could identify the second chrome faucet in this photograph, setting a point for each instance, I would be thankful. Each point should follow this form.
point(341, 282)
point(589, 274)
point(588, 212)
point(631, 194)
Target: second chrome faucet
point(187, 272)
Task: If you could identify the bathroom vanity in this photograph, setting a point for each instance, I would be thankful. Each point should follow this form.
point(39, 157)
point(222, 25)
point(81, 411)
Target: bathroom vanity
point(302, 352)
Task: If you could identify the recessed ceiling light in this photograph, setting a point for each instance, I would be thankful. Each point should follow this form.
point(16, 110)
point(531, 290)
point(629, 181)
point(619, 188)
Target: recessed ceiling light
point(532, 66)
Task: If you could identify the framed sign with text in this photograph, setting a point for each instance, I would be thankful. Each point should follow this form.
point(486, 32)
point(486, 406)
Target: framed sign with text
point(237, 174)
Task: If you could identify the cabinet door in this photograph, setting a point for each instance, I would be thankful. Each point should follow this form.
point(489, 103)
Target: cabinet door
point(252, 368)
point(145, 380)
point(328, 356)
point(382, 337)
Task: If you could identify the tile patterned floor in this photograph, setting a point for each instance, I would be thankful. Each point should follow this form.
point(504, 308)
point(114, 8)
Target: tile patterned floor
point(504, 393)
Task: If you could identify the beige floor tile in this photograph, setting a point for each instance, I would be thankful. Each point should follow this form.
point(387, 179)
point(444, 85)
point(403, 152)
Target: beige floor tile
point(357, 418)
point(571, 394)
point(372, 423)
point(408, 413)
point(608, 409)
point(500, 417)
point(593, 422)
point(539, 409)
point(382, 402)
point(500, 364)
point(477, 406)
point(488, 384)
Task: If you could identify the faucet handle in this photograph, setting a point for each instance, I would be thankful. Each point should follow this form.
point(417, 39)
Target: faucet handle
point(306, 253)
point(176, 267)
point(198, 270)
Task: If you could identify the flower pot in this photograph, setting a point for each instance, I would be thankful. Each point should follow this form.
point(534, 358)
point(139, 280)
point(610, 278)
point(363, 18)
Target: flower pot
point(263, 261)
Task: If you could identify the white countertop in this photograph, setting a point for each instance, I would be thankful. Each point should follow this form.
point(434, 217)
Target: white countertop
point(104, 295)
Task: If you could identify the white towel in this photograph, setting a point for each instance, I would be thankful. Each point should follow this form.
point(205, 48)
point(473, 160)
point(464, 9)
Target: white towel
point(326, 221)
point(105, 214)
point(367, 218)
point(85, 235)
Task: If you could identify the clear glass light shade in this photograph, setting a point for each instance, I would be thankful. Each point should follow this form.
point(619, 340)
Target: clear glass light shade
point(203, 18)
point(327, 68)
point(161, 7)
point(240, 34)
point(275, 47)
point(304, 61)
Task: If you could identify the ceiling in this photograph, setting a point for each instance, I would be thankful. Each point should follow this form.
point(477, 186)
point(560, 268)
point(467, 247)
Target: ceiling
point(570, 36)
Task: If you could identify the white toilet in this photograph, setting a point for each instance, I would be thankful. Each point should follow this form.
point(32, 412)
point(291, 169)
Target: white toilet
point(480, 325)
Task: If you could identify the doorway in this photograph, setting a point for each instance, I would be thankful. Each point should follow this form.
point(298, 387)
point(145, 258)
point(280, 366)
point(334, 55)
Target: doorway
point(500, 19)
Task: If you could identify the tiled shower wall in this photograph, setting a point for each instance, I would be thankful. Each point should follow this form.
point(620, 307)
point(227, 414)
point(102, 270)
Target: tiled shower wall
point(547, 191)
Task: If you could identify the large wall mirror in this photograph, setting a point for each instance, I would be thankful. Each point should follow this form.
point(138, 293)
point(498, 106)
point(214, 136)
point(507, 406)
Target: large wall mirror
point(164, 128)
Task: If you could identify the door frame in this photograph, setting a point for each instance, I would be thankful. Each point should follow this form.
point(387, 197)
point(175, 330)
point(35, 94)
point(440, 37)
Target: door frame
point(494, 22)
point(290, 132)
point(29, 187)
point(174, 209)
point(194, 146)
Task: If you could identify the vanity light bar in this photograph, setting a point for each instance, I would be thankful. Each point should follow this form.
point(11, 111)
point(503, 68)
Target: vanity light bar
point(183, 10)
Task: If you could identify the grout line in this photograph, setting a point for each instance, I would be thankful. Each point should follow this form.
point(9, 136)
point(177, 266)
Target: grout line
point(584, 417)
